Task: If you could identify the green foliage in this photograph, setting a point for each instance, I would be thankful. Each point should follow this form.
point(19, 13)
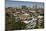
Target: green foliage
point(13, 25)
point(19, 25)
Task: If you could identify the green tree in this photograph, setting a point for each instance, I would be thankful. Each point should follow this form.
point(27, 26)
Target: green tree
point(18, 26)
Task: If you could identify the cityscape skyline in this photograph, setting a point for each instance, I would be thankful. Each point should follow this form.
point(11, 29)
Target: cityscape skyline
point(21, 3)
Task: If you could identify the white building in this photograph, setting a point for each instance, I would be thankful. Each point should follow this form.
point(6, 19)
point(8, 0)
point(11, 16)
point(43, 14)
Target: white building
point(31, 23)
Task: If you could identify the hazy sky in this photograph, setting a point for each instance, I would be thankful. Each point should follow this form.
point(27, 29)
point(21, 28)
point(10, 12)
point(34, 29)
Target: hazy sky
point(20, 3)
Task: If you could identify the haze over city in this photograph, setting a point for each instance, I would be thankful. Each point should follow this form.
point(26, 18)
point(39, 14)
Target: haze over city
point(20, 3)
